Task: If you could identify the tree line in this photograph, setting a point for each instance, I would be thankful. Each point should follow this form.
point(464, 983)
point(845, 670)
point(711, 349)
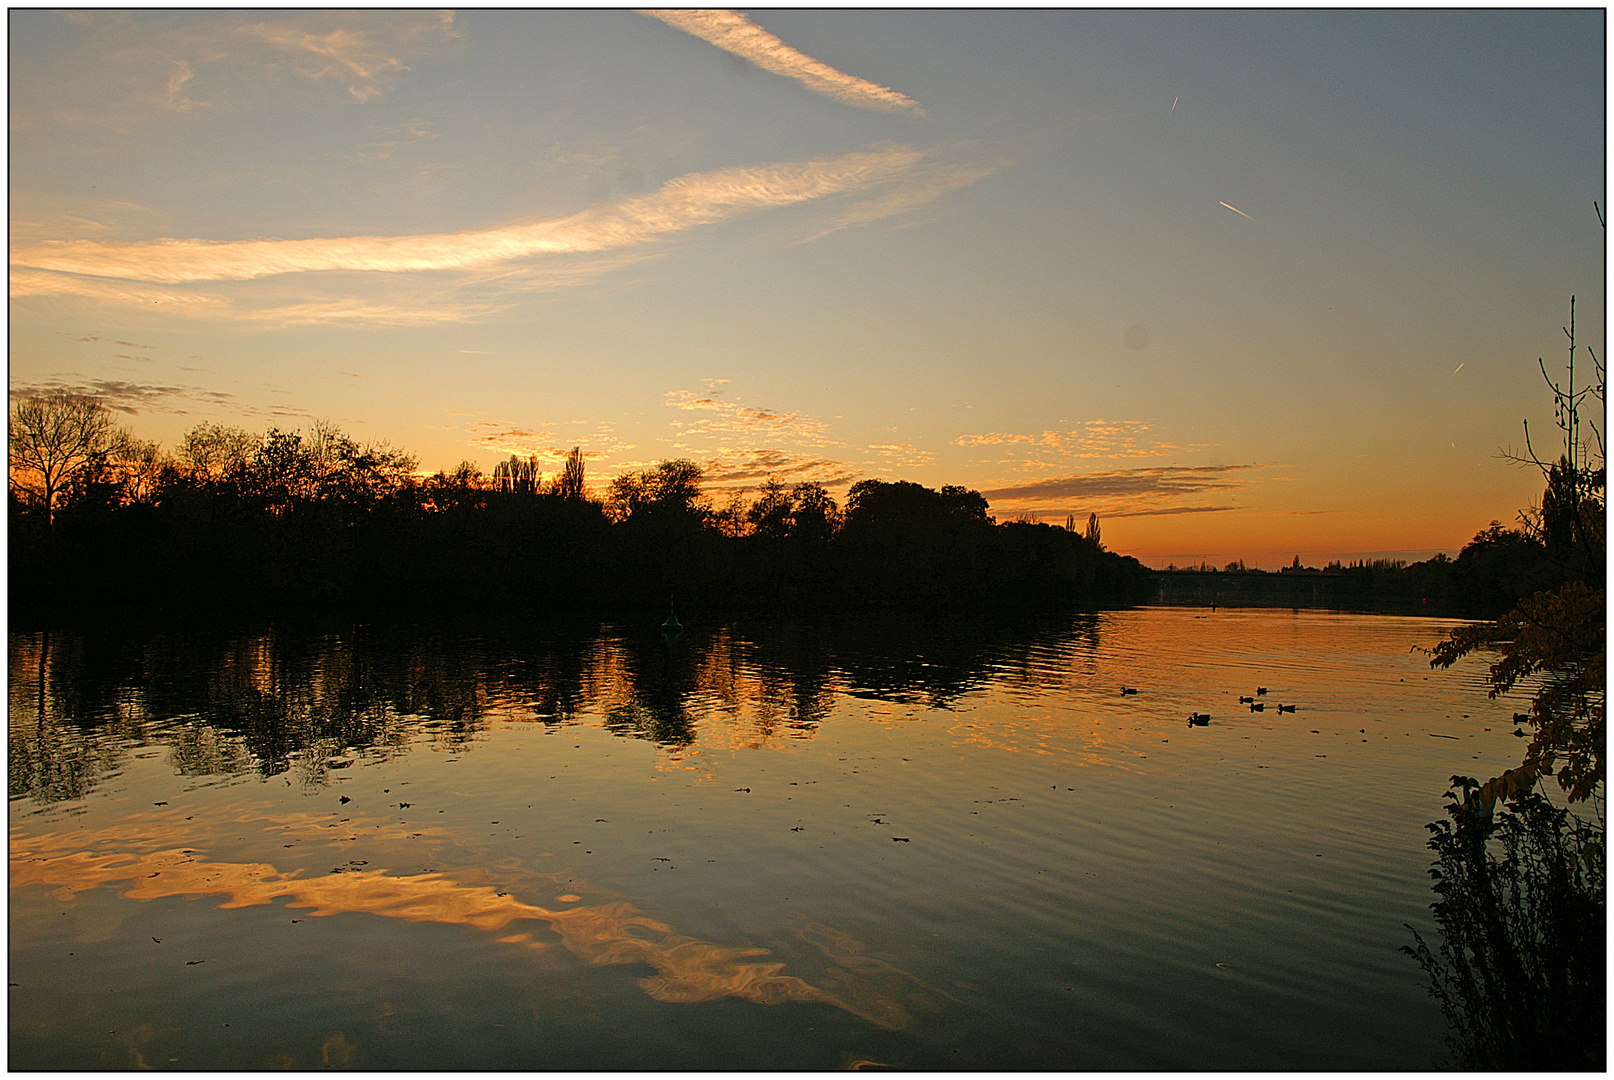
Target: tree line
point(313, 519)
point(1491, 574)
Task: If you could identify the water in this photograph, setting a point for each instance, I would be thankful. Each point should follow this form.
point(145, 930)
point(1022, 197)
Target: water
point(917, 843)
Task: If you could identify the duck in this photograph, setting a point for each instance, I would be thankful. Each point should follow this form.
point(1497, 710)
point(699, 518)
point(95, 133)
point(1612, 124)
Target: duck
point(1246, 700)
point(1286, 708)
point(1260, 690)
point(1258, 706)
point(1198, 719)
point(1128, 690)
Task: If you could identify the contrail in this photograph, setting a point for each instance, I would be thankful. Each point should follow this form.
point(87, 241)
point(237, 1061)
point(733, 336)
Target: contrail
point(1459, 367)
point(1174, 104)
point(1237, 211)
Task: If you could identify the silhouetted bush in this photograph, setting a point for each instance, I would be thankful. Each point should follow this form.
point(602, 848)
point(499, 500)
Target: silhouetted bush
point(1520, 971)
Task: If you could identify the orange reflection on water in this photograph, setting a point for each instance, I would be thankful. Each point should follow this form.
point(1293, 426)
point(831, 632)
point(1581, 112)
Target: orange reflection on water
point(687, 970)
point(1088, 739)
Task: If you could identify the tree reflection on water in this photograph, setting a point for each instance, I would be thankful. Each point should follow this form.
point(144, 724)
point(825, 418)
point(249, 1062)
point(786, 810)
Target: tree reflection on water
point(275, 701)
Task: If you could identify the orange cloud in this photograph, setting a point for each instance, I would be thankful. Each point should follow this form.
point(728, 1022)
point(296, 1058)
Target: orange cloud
point(685, 969)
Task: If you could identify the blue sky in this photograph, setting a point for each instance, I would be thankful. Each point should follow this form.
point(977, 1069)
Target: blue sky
point(1246, 284)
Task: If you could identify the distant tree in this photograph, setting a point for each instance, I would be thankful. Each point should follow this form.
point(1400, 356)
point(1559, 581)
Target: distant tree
point(279, 472)
point(732, 519)
point(880, 503)
point(770, 515)
point(53, 438)
point(138, 463)
point(569, 484)
point(964, 504)
point(210, 453)
point(814, 515)
point(286, 470)
point(517, 476)
point(1092, 533)
point(671, 488)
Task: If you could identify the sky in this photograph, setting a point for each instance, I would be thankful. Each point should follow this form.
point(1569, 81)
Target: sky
point(1248, 285)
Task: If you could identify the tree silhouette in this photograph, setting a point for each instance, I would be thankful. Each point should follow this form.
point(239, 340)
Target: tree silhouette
point(52, 439)
point(770, 515)
point(569, 484)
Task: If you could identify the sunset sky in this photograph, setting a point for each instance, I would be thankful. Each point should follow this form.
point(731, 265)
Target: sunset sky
point(1248, 285)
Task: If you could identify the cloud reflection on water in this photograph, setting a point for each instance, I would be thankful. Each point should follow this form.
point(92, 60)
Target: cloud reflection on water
point(687, 970)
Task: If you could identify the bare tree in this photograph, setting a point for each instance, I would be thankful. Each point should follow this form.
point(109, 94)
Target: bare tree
point(139, 462)
point(52, 438)
point(210, 452)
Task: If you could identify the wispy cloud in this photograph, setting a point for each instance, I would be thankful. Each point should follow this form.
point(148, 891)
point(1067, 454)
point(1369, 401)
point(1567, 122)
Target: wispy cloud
point(900, 455)
point(734, 33)
point(350, 310)
point(682, 203)
point(136, 67)
point(1089, 439)
point(946, 169)
point(344, 55)
point(23, 282)
point(127, 397)
point(726, 422)
point(543, 443)
point(177, 99)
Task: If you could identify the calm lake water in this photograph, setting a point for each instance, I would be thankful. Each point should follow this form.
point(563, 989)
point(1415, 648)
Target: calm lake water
point(917, 843)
